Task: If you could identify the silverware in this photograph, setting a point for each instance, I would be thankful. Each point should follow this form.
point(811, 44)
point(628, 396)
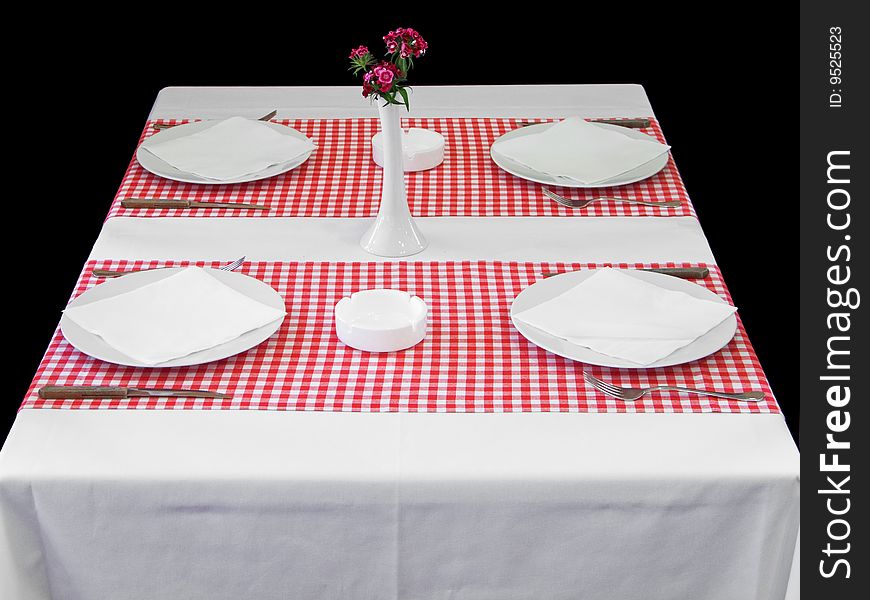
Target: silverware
point(158, 203)
point(161, 126)
point(109, 273)
point(632, 394)
point(233, 265)
point(583, 203)
point(681, 272)
point(632, 123)
point(52, 392)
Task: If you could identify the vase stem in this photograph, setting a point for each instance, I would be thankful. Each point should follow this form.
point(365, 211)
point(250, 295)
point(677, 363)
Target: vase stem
point(394, 232)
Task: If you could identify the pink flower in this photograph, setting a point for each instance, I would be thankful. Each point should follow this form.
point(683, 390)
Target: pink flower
point(407, 42)
point(391, 40)
point(385, 77)
point(385, 72)
point(358, 52)
point(368, 84)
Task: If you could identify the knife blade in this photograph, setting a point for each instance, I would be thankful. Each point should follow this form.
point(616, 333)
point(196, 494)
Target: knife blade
point(164, 393)
point(53, 392)
point(157, 203)
point(681, 272)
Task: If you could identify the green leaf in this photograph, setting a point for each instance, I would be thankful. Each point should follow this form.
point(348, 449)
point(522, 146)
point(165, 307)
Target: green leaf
point(390, 97)
point(404, 95)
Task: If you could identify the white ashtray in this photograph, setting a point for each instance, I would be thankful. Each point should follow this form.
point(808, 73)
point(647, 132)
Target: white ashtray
point(424, 149)
point(381, 320)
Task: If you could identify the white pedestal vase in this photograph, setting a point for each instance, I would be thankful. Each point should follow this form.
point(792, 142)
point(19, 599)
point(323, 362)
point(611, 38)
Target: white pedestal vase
point(394, 232)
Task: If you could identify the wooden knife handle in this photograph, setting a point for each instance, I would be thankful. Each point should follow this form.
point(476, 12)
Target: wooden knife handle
point(106, 273)
point(633, 123)
point(53, 392)
point(139, 203)
point(683, 272)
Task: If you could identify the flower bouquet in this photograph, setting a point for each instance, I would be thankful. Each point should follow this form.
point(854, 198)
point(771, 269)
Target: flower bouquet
point(388, 79)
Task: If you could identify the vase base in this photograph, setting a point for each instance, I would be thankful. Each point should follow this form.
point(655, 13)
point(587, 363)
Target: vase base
point(389, 236)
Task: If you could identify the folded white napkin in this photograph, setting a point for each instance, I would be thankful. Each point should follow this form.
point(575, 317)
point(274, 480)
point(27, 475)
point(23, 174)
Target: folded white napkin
point(620, 315)
point(176, 316)
point(229, 149)
point(581, 151)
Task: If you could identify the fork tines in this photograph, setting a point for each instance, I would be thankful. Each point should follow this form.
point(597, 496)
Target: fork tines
point(233, 265)
point(569, 202)
point(602, 386)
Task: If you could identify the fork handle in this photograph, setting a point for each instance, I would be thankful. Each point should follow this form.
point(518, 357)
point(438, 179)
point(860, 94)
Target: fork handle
point(745, 396)
point(673, 203)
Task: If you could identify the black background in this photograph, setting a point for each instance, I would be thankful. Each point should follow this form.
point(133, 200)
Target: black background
point(722, 85)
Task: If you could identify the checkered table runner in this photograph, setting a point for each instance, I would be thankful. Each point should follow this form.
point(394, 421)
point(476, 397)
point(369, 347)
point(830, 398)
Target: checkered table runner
point(472, 360)
point(341, 180)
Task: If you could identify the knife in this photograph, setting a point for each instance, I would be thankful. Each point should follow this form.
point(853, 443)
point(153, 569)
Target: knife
point(681, 272)
point(148, 203)
point(632, 123)
point(52, 392)
point(159, 126)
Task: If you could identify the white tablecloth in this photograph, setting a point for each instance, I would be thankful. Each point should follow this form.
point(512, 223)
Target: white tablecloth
point(213, 504)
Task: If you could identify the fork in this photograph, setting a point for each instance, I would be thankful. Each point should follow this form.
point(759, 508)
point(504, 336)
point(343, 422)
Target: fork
point(161, 126)
point(632, 394)
point(103, 273)
point(583, 203)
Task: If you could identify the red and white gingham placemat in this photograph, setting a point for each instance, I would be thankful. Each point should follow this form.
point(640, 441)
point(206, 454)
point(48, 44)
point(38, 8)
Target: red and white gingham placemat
point(341, 180)
point(472, 360)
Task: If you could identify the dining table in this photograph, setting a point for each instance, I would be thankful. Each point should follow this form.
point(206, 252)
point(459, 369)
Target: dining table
point(474, 465)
